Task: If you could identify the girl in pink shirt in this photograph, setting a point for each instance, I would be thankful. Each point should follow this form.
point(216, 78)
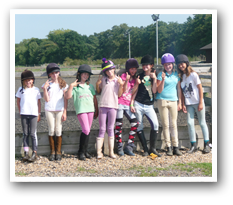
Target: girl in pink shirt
point(111, 87)
point(128, 78)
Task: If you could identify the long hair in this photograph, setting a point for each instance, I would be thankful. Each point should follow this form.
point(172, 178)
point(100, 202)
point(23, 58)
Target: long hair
point(61, 82)
point(188, 69)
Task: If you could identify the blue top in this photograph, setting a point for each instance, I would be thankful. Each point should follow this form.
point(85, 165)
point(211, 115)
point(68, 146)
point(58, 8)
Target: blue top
point(170, 87)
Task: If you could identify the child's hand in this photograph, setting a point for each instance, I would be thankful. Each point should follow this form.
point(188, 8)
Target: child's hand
point(99, 80)
point(138, 81)
point(184, 109)
point(63, 117)
point(132, 109)
point(153, 75)
point(38, 118)
point(127, 76)
point(179, 107)
point(163, 76)
point(75, 83)
point(200, 107)
point(119, 80)
point(46, 85)
point(96, 114)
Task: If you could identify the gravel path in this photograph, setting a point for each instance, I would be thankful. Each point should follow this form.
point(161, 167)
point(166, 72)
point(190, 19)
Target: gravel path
point(125, 166)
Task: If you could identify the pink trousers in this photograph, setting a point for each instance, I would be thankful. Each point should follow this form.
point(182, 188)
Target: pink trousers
point(85, 120)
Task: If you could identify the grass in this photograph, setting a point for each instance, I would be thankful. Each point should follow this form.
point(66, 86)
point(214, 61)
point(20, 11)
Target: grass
point(81, 169)
point(20, 174)
point(205, 168)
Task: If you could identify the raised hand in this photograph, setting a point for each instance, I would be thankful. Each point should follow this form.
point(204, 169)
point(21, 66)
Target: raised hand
point(153, 75)
point(99, 80)
point(75, 83)
point(119, 80)
point(138, 81)
point(163, 76)
point(46, 85)
point(127, 76)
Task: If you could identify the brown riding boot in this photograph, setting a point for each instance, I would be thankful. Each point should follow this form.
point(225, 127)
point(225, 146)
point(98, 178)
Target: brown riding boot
point(58, 148)
point(52, 148)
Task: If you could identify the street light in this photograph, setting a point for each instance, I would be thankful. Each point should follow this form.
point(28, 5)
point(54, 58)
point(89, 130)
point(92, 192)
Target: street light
point(155, 17)
point(128, 33)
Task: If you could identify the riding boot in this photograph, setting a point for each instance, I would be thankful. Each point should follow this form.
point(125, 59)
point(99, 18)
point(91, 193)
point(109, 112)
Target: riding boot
point(206, 148)
point(129, 149)
point(26, 156)
point(33, 157)
point(111, 147)
point(99, 145)
point(169, 151)
point(81, 155)
point(142, 139)
point(85, 147)
point(58, 148)
point(193, 148)
point(176, 151)
point(52, 148)
point(153, 139)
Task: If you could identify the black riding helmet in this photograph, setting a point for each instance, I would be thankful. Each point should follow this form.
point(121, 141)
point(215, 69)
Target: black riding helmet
point(52, 67)
point(147, 59)
point(181, 58)
point(27, 74)
point(84, 69)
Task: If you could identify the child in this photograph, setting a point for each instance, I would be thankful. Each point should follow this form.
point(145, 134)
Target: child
point(55, 108)
point(28, 102)
point(168, 83)
point(143, 103)
point(124, 108)
point(194, 102)
point(111, 87)
point(86, 106)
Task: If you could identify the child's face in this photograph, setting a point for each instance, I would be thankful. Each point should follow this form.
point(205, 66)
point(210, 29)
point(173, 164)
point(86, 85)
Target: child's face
point(54, 75)
point(28, 83)
point(132, 71)
point(110, 72)
point(147, 67)
point(168, 67)
point(84, 77)
point(182, 66)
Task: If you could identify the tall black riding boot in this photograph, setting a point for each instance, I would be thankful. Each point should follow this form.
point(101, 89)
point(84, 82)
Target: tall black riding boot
point(142, 139)
point(85, 147)
point(81, 155)
point(153, 139)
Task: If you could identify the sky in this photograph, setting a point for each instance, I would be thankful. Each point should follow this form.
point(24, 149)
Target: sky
point(39, 25)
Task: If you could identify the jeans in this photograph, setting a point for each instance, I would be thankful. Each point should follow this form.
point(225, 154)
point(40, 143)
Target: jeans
point(29, 125)
point(125, 109)
point(149, 112)
point(191, 109)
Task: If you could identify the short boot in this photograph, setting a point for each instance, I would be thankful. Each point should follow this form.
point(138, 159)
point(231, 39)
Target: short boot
point(193, 148)
point(52, 148)
point(142, 139)
point(81, 155)
point(99, 145)
point(111, 147)
point(33, 158)
point(26, 156)
point(153, 139)
point(58, 148)
point(85, 147)
point(176, 151)
point(169, 151)
point(120, 151)
point(206, 148)
point(129, 149)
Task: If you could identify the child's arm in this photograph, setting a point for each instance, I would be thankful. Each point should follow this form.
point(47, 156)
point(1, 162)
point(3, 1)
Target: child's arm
point(183, 104)
point(68, 94)
point(135, 87)
point(126, 82)
point(154, 86)
point(200, 89)
point(64, 115)
point(98, 89)
point(96, 107)
point(46, 95)
point(39, 111)
point(121, 84)
point(161, 83)
point(179, 107)
point(18, 104)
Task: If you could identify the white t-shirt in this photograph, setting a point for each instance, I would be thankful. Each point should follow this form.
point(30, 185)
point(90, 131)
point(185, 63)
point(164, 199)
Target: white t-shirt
point(189, 88)
point(29, 100)
point(56, 97)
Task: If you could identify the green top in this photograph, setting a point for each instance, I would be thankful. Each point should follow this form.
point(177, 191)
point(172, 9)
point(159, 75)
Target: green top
point(83, 98)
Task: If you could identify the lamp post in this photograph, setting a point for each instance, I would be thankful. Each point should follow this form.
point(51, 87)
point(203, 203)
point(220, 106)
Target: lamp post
point(155, 17)
point(128, 33)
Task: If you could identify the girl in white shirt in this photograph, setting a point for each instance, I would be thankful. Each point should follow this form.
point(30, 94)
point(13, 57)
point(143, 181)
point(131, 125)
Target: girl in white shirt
point(192, 101)
point(55, 108)
point(28, 102)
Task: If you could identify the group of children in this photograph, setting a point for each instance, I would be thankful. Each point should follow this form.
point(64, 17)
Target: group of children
point(132, 95)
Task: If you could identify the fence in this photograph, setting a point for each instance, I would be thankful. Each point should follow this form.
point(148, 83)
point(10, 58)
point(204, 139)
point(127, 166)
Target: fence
point(70, 142)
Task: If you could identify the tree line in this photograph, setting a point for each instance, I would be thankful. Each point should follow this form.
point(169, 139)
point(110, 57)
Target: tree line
point(173, 37)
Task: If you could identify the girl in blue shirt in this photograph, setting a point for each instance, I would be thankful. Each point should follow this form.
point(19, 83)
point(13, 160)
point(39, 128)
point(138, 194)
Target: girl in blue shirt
point(168, 83)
